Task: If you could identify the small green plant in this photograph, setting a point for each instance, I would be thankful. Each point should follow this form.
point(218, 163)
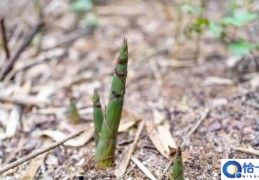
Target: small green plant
point(97, 116)
point(107, 142)
point(73, 112)
point(177, 169)
point(83, 8)
point(194, 27)
point(235, 19)
point(241, 47)
point(197, 24)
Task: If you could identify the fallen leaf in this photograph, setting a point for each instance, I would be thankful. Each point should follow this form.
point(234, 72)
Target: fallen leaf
point(13, 121)
point(158, 116)
point(161, 138)
point(15, 115)
point(128, 119)
point(80, 140)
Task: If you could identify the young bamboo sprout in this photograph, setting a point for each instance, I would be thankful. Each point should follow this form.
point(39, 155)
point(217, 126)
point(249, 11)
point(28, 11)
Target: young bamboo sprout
point(107, 142)
point(97, 116)
point(177, 169)
point(73, 112)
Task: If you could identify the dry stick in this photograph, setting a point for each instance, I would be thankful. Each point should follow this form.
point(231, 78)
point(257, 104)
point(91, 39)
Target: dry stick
point(39, 152)
point(26, 100)
point(245, 150)
point(143, 168)
point(15, 35)
point(122, 166)
point(195, 127)
point(6, 69)
point(7, 52)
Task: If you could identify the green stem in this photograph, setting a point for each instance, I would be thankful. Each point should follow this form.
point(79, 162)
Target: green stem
point(177, 169)
point(97, 116)
point(106, 146)
point(73, 113)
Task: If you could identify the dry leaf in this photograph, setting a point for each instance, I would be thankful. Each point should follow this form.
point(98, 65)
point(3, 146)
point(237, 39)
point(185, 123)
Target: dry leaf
point(128, 119)
point(161, 138)
point(209, 81)
point(158, 116)
point(15, 114)
point(143, 168)
point(80, 140)
point(13, 121)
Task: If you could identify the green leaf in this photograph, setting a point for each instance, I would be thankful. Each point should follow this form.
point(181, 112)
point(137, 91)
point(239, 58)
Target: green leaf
point(241, 47)
point(202, 21)
point(216, 29)
point(81, 5)
point(240, 18)
point(196, 27)
point(189, 9)
point(91, 19)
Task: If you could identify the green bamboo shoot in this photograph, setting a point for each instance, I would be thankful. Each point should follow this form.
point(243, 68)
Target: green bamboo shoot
point(97, 116)
point(107, 142)
point(177, 169)
point(73, 113)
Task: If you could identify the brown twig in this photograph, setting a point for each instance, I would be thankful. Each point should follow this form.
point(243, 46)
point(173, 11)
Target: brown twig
point(39, 152)
point(143, 168)
point(4, 36)
point(6, 69)
point(195, 127)
point(122, 166)
point(26, 100)
point(247, 150)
